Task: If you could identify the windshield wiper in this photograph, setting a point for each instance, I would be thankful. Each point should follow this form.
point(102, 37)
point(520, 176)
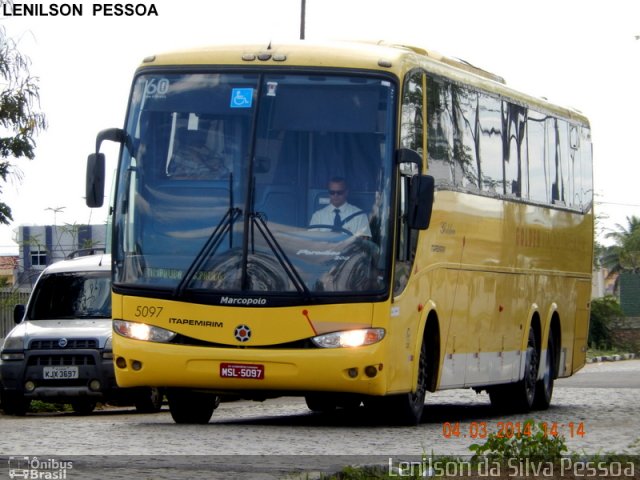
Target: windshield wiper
point(257, 220)
point(209, 248)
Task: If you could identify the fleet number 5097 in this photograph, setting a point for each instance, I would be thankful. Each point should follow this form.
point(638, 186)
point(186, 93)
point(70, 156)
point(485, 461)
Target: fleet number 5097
point(146, 311)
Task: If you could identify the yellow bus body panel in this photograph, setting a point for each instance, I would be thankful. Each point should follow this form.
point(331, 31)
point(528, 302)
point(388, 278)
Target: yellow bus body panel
point(285, 368)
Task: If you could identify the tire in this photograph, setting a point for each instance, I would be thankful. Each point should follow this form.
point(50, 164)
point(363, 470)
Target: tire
point(324, 403)
point(320, 403)
point(149, 400)
point(83, 406)
point(405, 409)
point(190, 407)
point(519, 397)
point(544, 387)
point(15, 404)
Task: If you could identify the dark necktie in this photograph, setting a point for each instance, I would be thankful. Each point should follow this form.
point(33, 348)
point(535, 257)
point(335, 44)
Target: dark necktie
point(337, 222)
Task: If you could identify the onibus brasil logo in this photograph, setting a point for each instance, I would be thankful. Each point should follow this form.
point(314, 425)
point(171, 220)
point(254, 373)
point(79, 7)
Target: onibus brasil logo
point(38, 468)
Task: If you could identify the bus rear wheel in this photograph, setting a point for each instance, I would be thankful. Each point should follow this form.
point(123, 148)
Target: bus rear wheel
point(519, 397)
point(544, 388)
point(191, 407)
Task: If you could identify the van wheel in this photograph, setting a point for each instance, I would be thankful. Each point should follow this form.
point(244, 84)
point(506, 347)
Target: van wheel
point(544, 388)
point(83, 406)
point(518, 397)
point(15, 404)
point(149, 400)
point(188, 406)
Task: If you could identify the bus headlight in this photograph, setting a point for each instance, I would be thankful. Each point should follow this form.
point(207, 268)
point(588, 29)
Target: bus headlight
point(349, 338)
point(142, 331)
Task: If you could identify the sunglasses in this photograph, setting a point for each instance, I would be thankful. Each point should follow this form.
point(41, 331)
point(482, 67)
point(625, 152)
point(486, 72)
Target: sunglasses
point(336, 192)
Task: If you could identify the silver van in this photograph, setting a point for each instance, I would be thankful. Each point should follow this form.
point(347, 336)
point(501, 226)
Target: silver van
point(60, 350)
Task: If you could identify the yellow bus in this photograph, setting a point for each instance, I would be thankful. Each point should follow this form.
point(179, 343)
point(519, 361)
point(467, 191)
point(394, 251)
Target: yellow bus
point(459, 256)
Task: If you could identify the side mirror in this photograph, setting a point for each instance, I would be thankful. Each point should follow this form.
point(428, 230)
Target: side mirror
point(96, 163)
point(421, 195)
point(409, 161)
point(95, 180)
point(18, 313)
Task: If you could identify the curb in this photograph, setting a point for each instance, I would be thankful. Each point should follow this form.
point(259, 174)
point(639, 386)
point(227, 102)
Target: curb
point(612, 358)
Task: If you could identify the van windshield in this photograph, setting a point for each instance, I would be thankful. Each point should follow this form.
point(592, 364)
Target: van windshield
point(71, 295)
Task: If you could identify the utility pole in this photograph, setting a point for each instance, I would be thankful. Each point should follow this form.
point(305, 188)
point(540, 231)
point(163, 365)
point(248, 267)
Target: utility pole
point(303, 8)
point(58, 235)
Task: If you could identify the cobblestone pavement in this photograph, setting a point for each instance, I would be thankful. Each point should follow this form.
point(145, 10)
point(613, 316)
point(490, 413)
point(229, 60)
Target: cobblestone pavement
point(273, 439)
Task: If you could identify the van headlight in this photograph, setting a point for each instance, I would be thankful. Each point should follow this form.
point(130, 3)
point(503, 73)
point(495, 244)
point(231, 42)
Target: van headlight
point(107, 353)
point(142, 331)
point(13, 348)
point(349, 338)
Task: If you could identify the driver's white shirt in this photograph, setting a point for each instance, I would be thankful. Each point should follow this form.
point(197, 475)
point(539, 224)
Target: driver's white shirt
point(358, 225)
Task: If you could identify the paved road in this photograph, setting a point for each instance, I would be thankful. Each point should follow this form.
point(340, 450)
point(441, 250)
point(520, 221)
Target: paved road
point(270, 440)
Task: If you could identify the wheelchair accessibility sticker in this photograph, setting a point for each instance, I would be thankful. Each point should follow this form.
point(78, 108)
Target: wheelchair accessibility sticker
point(241, 97)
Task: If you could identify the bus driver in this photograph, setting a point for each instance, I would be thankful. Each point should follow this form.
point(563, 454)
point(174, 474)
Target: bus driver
point(340, 215)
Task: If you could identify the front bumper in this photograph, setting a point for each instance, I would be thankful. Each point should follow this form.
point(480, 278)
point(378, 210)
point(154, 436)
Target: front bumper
point(95, 375)
point(348, 370)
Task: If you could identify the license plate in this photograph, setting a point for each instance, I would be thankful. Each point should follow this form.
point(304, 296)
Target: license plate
point(242, 370)
point(60, 373)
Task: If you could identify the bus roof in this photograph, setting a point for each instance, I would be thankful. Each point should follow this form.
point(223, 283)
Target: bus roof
point(365, 55)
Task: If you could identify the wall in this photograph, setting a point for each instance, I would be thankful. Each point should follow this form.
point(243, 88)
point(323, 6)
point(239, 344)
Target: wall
point(625, 333)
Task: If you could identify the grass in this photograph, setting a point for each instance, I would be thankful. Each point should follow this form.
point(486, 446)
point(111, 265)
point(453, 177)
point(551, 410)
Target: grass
point(599, 352)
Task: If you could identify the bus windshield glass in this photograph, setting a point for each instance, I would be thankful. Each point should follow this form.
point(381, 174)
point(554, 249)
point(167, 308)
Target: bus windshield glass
point(229, 184)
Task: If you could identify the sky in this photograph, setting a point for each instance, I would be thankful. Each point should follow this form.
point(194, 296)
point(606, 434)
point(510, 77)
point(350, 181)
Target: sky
point(575, 53)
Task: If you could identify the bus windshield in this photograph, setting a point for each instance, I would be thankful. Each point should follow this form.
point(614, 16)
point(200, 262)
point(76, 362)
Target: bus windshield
point(229, 183)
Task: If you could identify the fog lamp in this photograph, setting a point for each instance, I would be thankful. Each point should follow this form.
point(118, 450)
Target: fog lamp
point(371, 371)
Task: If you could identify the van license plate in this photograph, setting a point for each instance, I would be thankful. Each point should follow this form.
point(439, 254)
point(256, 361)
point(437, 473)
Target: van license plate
point(242, 370)
point(60, 373)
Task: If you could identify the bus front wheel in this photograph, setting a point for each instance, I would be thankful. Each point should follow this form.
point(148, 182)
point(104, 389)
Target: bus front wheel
point(188, 406)
point(406, 408)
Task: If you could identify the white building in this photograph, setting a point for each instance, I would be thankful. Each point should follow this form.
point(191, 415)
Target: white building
point(40, 246)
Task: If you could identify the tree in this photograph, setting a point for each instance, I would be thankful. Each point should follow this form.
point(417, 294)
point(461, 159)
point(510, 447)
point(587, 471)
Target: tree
point(20, 118)
point(603, 311)
point(624, 254)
